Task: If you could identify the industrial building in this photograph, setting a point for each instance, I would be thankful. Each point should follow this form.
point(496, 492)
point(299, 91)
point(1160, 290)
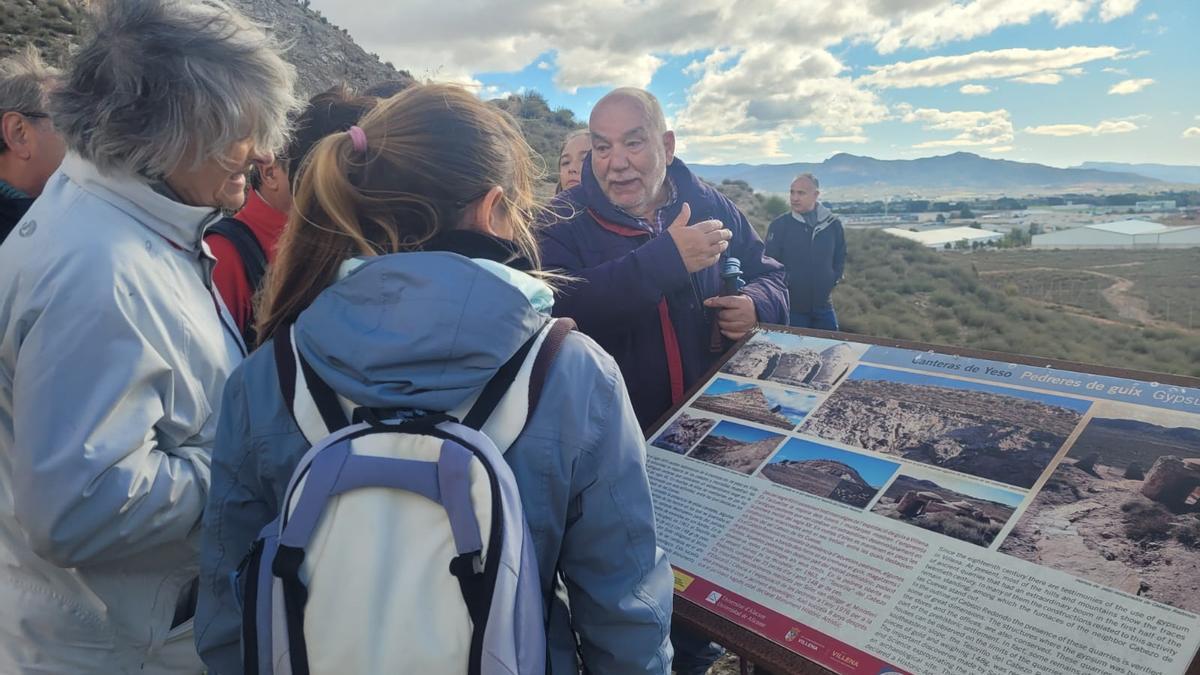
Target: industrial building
point(947, 235)
point(1121, 234)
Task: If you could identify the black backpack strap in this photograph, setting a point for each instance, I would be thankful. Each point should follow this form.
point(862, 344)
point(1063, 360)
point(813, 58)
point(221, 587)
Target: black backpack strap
point(496, 387)
point(254, 258)
point(299, 383)
point(500, 383)
point(254, 261)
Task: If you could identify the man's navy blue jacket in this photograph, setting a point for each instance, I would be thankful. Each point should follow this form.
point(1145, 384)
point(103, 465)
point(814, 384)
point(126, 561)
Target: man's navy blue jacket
point(633, 294)
point(815, 257)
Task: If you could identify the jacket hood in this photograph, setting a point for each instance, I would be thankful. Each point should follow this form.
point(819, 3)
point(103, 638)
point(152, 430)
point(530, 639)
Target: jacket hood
point(423, 330)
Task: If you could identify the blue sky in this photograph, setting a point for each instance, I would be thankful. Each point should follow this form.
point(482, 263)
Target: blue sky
point(743, 433)
point(873, 373)
point(873, 470)
point(1051, 81)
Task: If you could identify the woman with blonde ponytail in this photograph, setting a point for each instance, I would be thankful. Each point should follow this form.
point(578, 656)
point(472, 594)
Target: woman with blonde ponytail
point(409, 271)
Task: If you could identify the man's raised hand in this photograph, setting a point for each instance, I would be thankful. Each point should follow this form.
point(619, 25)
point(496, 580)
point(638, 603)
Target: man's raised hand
point(700, 245)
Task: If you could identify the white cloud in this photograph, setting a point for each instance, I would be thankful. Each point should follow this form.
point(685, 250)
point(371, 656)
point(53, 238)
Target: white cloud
point(1191, 132)
point(1128, 56)
point(773, 91)
point(1125, 87)
point(1000, 148)
point(1040, 78)
point(984, 65)
point(941, 22)
point(592, 68)
point(1114, 9)
point(1152, 16)
point(973, 127)
point(974, 89)
point(769, 70)
point(1122, 126)
point(842, 139)
point(1115, 71)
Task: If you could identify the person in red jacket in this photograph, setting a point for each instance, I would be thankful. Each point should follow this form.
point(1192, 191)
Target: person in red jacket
point(244, 245)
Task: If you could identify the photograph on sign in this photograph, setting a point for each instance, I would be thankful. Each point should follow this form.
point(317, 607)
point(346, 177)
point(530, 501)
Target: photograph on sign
point(683, 433)
point(824, 494)
point(825, 471)
point(736, 446)
point(963, 509)
point(1004, 434)
point(771, 406)
point(1123, 509)
point(795, 360)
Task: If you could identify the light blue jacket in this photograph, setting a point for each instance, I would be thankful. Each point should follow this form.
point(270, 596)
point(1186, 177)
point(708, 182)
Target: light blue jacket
point(426, 331)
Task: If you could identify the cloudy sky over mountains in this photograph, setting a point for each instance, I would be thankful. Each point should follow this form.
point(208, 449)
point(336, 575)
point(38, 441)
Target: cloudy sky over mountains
point(1052, 81)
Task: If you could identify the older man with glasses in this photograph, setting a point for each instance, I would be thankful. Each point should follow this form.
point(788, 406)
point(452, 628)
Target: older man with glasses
point(30, 147)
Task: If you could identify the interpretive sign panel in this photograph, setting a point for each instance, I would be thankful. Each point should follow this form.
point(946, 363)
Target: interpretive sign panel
point(878, 509)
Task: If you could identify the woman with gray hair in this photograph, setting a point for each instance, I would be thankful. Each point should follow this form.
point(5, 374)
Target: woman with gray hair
point(113, 350)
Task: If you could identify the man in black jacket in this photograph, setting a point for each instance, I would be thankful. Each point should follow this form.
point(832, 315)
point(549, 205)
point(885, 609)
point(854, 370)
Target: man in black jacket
point(810, 243)
point(30, 147)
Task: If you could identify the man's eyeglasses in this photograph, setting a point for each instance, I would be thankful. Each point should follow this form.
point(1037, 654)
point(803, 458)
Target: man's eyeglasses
point(30, 115)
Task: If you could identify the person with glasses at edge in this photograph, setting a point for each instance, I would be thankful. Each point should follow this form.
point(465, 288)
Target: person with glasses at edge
point(30, 147)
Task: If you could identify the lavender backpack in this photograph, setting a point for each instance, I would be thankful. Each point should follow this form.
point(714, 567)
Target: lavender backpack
point(402, 546)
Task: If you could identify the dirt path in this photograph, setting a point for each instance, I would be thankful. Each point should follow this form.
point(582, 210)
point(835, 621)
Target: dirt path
point(1128, 306)
point(1118, 294)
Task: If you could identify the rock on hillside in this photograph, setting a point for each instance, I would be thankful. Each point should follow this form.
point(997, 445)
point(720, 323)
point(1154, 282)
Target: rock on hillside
point(323, 54)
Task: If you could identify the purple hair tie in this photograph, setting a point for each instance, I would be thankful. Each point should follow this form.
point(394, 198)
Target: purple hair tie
point(359, 138)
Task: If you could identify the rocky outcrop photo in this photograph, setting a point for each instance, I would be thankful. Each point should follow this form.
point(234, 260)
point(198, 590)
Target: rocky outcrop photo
point(1005, 438)
point(683, 433)
point(737, 447)
point(764, 359)
point(933, 507)
point(823, 478)
point(748, 404)
point(1135, 531)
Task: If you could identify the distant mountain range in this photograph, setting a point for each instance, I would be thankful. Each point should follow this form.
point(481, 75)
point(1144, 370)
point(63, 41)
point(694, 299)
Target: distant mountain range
point(961, 170)
point(1172, 173)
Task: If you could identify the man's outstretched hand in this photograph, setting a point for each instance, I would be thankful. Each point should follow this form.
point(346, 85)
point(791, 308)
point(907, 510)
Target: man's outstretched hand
point(700, 245)
point(735, 314)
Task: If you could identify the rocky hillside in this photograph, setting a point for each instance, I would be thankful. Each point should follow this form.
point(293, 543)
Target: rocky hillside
point(822, 477)
point(734, 454)
point(322, 53)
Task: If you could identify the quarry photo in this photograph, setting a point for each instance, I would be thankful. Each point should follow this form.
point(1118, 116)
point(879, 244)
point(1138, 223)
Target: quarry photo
point(682, 434)
point(962, 509)
point(771, 406)
point(1006, 435)
point(736, 446)
point(795, 360)
point(848, 477)
point(1122, 508)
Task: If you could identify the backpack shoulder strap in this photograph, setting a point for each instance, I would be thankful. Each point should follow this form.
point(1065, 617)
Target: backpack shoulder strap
point(511, 396)
point(254, 258)
point(314, 405)
point(501, 410)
